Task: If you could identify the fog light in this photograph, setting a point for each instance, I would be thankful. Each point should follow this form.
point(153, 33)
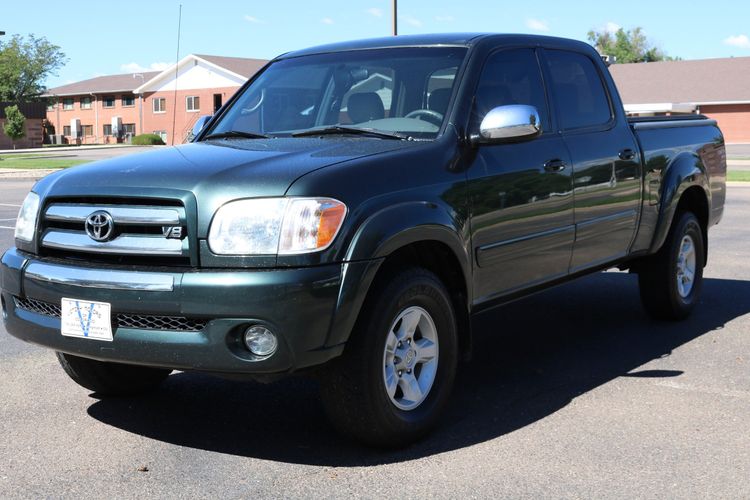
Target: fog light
point(260, 340)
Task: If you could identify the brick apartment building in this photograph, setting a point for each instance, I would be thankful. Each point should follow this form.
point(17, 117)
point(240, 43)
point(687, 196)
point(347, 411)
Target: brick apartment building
point(717, 88)
point(110, 109)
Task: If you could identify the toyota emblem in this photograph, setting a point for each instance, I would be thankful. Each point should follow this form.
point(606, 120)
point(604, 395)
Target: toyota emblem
point(100, 226)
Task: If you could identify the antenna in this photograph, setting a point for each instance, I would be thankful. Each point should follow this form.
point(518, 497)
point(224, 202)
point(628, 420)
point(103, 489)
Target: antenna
point(176, 73)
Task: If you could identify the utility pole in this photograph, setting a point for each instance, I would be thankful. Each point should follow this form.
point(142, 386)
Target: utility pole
point(394, 13)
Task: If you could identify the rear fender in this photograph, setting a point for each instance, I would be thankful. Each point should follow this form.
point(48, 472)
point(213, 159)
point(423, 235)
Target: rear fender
point(683, 172)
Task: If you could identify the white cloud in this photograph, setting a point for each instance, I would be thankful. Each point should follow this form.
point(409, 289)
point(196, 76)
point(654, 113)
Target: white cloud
point(611, 27)
point(134, 67)
point(326, 20)
point(444, 19)
point(375, 12)
point(254, 20)
point(412, 21)
point(741, 41)
point(537, 24)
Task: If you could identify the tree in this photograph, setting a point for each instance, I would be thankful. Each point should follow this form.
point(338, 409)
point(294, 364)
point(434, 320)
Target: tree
point(25, 63)
point(627, 46)
point(15, 124)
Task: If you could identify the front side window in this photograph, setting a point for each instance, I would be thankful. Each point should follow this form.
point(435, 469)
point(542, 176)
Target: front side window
point(128, 128)
point(159, 105)
point(511, 77)
point(385, 90)
point(579, 92)
point(67, 103)
point(108, 102)
point(66, 129)
point(107, 129)
point(85, 103)
point(192, 103)
point(87, 130)
point(128, 101)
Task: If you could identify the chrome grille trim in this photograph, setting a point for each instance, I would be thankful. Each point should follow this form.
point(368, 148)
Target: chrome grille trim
point(147, 216)
point(100, 278)
point(129, 244)
point(123, 320)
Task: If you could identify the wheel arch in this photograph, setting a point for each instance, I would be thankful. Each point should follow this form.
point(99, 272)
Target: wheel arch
point(410, 234)
point(685, 187)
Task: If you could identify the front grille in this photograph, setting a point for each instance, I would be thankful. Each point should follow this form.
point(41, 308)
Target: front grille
point(121, 320)
point(133, 232)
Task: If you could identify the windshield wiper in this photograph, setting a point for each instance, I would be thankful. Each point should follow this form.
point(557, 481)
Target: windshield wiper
point(235, 133)
point(340, 130)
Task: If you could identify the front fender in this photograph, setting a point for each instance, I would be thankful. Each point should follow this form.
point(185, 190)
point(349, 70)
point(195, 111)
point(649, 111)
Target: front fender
point(683, 172)
point(380, 235)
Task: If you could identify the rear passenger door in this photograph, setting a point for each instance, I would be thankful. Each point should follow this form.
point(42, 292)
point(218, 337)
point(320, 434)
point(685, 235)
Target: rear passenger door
point(520, 193)
point(606, 163)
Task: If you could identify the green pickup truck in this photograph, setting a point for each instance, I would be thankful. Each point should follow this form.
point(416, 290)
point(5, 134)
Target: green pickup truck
point(350, 209)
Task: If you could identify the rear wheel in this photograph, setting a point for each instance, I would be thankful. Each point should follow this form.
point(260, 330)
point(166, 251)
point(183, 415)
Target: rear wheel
point(670, 281)
point(392, 382)
point(111, 379)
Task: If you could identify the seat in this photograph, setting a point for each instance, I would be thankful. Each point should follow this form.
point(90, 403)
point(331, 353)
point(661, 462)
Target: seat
point(438, 100)
point(365, 106)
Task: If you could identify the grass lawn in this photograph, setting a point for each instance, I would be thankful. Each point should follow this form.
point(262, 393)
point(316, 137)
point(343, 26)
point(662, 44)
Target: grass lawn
point(31, 162)
point(738, 175)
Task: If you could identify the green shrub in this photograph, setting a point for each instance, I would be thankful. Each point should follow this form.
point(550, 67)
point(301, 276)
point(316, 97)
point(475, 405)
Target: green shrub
point(147, 140)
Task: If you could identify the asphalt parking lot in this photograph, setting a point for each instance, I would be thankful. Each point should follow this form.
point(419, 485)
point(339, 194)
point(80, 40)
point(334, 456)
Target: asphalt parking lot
point(572, 393)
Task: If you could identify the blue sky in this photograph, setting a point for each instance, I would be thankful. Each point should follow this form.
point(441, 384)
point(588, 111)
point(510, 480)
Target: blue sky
point(101, 38)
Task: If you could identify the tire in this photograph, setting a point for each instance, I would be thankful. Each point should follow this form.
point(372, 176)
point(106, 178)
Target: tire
point(355, 386)
point(667, 290)
point(111, 379)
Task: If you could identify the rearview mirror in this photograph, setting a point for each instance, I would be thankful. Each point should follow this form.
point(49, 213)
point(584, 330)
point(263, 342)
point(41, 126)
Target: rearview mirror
point(198, 126)
point(507, 123)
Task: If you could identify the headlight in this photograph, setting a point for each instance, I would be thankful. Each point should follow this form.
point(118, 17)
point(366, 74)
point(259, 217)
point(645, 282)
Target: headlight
point(269, 226)
point(26, 221)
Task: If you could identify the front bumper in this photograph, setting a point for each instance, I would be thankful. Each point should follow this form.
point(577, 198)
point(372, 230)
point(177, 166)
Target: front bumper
point(297, 304)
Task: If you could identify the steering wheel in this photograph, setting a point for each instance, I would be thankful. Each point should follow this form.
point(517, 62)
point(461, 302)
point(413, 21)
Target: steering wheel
point(427, 115)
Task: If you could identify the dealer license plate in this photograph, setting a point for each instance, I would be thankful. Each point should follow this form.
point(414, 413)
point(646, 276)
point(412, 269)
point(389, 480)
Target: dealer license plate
point(86, 319)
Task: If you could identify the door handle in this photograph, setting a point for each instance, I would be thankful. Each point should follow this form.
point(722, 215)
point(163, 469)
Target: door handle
point(626, 154)
point(554, 165)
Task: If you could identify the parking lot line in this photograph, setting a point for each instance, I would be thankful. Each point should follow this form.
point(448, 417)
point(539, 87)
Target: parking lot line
point(8, 205)
point(6, 227)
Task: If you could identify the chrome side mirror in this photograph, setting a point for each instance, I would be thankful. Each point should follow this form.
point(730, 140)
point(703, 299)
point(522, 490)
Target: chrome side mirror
point(507, 123)
point(198, 126)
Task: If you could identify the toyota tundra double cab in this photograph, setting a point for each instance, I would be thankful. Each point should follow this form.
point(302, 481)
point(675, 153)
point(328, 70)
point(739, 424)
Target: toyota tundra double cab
point(350, 209)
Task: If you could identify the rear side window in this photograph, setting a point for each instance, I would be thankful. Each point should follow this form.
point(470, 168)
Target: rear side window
point(511, 77)
point(578, 89)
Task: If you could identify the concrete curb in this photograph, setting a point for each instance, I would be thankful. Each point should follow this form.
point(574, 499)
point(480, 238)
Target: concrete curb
point(52, 151)
point(26, 174)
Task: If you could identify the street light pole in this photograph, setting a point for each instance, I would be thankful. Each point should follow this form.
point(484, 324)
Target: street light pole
point(394, 13)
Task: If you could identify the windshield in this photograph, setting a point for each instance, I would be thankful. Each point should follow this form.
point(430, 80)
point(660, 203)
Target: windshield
point(402, 91)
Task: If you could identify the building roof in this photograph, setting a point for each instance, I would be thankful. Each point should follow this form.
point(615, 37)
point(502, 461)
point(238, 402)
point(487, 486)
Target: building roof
point(240, 65)
point(102, 84)
point(699, 81)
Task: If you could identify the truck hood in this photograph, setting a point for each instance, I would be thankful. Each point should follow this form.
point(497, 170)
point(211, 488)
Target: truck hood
point(208, 174)
point(251, 168)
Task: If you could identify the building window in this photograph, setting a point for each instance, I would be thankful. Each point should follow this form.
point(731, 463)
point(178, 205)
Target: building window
point(85, 103)
point(68, 103)
point(193, 103)
point(66, 130)
point(108, 102)
point(107, 130)
point(128, 101)
point(87, 130)
point(128, 128)
point(160, 105)
point(51, 106)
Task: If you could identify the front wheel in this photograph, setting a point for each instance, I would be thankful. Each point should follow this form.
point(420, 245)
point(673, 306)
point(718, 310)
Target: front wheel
point(392, 382)
point(111, 379)
point(670, 281)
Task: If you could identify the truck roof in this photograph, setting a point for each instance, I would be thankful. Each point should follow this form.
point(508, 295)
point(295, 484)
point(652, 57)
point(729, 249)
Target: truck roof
point(436, 39)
